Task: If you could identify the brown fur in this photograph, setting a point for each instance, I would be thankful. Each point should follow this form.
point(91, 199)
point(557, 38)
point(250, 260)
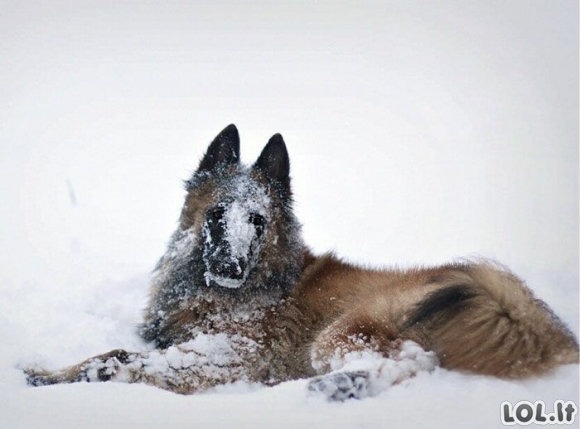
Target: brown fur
point(503, 330)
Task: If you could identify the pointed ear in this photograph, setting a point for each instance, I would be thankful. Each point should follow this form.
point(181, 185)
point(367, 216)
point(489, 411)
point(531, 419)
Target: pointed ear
point(224, 150)
point(274, 163)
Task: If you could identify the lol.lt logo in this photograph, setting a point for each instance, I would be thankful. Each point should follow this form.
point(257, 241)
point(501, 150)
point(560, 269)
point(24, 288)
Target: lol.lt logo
point(524, 413)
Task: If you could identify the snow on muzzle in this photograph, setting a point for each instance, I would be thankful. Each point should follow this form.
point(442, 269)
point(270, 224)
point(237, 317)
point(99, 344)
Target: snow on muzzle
point(231, 244)
point(226, 266)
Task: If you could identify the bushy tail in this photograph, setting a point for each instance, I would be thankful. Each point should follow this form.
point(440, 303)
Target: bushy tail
point(492, 324)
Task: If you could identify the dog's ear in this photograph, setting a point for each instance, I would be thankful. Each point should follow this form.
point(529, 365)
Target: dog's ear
point(274, 163)
point(223, 151)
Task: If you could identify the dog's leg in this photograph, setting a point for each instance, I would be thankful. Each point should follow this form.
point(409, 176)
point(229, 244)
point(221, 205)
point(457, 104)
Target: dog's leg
point(172, 369)
point(358, 357)
point(98, 368)
point(186, 368)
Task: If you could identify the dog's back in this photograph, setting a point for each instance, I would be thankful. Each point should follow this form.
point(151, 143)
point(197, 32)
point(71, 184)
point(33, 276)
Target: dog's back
point(476, 316)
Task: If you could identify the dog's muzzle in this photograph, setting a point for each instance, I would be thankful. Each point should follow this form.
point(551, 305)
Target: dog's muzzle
point(227, 271)
point(233, 269)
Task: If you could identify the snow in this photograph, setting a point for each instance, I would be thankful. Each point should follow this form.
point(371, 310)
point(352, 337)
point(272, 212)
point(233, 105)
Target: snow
point(417, 133)
point(382, 373)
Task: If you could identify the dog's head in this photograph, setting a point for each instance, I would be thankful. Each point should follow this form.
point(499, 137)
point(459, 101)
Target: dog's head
point(237, 212)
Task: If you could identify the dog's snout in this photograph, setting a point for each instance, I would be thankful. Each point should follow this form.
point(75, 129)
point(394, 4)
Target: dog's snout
point(233, 269)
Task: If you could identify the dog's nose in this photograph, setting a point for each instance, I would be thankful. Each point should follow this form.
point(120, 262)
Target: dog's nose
point(231, 269)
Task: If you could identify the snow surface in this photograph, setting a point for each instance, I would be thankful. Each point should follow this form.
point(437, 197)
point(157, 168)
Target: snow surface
point(417, 132)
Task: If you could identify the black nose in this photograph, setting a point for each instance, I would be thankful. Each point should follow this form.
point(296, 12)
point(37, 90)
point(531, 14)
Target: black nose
point(230, 269)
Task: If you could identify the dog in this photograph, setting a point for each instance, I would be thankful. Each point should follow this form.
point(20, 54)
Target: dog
point(238, 296)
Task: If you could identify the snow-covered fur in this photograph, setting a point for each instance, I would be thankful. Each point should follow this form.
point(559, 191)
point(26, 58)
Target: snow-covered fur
point(238, 297)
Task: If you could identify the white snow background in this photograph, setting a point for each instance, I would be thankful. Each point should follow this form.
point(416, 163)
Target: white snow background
point(418, 132)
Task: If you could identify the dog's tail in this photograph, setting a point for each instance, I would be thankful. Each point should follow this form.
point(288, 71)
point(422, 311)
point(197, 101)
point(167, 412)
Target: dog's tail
point(490, 323)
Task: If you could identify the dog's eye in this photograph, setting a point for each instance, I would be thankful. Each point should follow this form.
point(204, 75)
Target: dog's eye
point(257, 220)
point(218, 213)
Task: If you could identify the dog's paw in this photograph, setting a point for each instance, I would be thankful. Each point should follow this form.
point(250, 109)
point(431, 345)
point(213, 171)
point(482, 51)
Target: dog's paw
point(340, 386)
point(36, 376)
point(39, 380)
point(99, 368)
